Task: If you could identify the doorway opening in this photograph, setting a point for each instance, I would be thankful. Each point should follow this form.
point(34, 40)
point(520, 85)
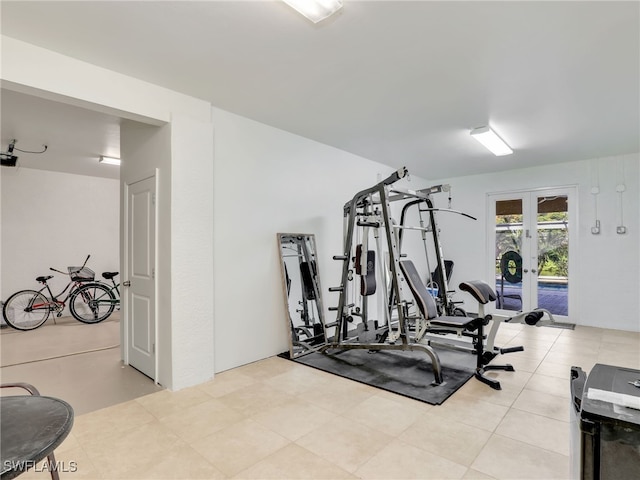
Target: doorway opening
point(59, 210)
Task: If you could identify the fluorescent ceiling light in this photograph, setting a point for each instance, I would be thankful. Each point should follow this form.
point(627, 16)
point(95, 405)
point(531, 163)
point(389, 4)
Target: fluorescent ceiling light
point(491, 141)
point(315, 10)
point(109, 160)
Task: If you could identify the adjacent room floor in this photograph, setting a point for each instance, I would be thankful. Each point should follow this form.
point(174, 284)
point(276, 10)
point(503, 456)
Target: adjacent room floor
point(74, 361)
point(277, 419)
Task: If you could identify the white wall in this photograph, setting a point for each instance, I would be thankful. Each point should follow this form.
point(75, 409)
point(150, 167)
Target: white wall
point(184, 163)
point(607, 280)
point(268, 181)
point(52, 219)
point(145, 149)
point(192, 250)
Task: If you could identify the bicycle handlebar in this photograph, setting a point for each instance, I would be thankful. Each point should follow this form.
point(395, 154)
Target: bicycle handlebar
point(67, 273)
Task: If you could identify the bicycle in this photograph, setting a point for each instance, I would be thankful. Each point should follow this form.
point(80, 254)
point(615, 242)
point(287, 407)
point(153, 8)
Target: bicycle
point(29, 309)
point(109, 299)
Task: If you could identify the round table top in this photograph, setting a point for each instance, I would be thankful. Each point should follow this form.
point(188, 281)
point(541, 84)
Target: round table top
point(31, 428)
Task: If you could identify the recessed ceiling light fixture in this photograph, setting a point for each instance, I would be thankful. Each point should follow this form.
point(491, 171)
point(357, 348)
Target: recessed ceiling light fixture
point(491, 141)
point(109, 160)
point(315, 10)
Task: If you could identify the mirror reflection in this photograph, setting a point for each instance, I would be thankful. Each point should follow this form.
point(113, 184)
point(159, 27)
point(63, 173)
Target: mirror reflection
point(301, 287)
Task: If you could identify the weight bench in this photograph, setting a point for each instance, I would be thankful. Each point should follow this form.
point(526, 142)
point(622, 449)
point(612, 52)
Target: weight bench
point(481, 292)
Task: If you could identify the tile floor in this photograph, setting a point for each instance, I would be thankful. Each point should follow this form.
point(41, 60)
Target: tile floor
point(275, 419)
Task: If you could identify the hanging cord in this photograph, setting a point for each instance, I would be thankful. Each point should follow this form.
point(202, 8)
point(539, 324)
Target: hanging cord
point(28, 151)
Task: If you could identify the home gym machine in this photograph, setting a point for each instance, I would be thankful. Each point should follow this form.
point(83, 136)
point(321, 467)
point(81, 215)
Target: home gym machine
point(370, 210)
point(439, 281)
point(369, 213)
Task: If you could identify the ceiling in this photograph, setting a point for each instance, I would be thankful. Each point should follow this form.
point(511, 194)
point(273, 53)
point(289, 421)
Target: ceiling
point(398, 82)
point(75, 137)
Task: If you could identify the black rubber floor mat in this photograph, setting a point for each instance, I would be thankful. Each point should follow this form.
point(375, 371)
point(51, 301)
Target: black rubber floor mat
point(405, 373)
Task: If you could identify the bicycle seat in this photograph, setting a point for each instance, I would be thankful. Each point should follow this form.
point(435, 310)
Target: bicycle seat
point(44, 279)
point(109, 275)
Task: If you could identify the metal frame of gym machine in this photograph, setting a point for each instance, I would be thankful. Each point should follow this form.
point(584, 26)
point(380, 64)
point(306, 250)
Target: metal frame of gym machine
point(372, 208)
point(449, 307)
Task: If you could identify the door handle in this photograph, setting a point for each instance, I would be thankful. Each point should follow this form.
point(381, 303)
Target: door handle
point(126, 284)
point(525, 270)
point(533, 270)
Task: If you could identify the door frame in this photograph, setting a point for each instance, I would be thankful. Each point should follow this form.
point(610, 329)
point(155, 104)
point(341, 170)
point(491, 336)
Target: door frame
point(530, 213)
point(125, 255)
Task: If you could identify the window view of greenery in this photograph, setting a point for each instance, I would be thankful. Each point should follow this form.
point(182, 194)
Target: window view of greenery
point(553, 244)
point(553, 241)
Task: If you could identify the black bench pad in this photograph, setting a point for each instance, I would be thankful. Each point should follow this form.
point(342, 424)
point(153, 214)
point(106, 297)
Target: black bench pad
point(452, 322)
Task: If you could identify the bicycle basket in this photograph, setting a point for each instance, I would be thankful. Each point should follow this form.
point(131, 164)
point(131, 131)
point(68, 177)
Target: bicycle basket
point(81, 274)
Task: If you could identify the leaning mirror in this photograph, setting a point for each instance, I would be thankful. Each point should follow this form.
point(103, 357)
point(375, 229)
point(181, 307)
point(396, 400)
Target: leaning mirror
point(301, 288)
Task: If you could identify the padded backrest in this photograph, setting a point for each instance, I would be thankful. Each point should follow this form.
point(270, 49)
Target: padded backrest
point(367, 272)
point(368, 281)
point(480, 290)
point(425, 301)
point(436, 277)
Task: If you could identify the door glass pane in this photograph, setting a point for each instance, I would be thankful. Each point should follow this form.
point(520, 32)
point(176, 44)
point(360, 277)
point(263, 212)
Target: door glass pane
point(553, 254)
point(509, 254)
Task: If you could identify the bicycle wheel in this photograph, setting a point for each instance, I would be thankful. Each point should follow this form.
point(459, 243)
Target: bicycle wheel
point(92, 303)
point(26, 310)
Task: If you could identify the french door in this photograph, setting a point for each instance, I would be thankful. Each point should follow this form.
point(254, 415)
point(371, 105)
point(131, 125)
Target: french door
point(530, 237)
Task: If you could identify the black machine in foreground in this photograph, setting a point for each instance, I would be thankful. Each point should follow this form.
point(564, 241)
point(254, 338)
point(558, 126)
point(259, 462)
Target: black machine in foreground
point(605, 423)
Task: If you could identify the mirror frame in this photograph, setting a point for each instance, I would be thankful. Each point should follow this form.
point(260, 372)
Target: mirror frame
point(294, 350)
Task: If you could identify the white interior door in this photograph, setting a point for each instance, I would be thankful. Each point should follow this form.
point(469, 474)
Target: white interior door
point(140, 263)
point(530, 238)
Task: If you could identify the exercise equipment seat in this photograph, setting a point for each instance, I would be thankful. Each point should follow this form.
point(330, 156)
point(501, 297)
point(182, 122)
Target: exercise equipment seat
point(481, 292)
